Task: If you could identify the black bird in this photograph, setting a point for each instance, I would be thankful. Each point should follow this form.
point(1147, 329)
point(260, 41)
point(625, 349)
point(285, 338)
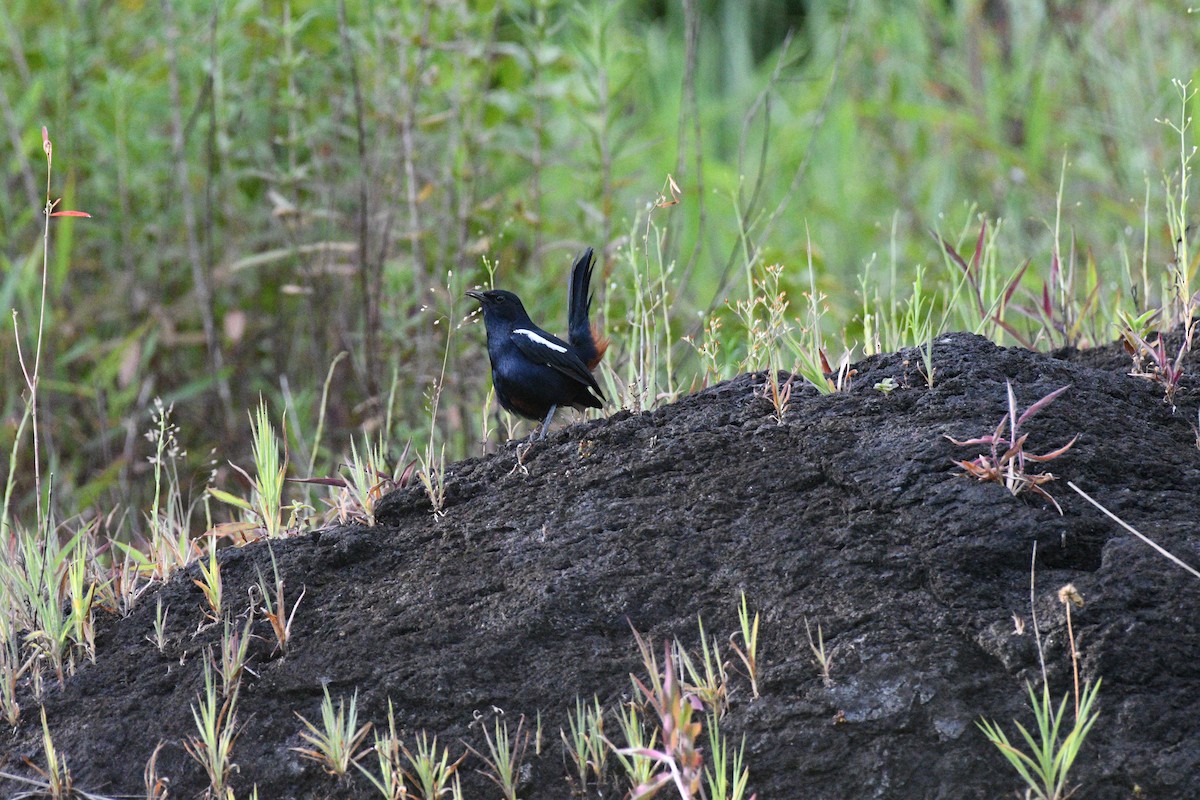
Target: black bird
point(535, 372)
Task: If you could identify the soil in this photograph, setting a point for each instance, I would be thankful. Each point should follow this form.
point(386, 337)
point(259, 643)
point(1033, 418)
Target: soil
point(850, 514)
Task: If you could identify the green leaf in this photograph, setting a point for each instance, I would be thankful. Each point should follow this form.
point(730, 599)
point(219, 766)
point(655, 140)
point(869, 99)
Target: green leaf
point(233, 500)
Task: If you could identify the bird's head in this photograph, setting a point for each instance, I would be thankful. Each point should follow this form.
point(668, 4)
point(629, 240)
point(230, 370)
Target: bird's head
point(499, 305)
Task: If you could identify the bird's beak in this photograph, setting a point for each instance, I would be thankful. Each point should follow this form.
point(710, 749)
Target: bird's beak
point(477, 295)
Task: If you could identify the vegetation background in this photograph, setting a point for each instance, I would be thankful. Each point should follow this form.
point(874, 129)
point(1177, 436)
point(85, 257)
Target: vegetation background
point(275, 183)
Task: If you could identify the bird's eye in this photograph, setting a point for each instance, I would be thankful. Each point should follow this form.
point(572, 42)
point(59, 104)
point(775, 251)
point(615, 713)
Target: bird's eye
point(500, 298)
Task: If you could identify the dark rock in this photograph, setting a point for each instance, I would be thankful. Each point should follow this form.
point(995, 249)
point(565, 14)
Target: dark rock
point(850, 514)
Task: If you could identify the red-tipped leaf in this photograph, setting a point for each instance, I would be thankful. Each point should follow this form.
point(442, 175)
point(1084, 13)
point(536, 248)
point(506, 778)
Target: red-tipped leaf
point(1015, 282)
point(1040, 404)
point(1053, 454)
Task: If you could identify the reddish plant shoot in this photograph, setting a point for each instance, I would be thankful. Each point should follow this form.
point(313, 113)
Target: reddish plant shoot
point(48, 149)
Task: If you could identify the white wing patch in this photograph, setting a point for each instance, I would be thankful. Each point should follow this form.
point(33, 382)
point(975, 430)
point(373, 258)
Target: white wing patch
point(542, 340)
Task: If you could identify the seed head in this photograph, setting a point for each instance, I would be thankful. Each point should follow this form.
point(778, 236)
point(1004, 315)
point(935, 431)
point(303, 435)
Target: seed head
point(1069, 594)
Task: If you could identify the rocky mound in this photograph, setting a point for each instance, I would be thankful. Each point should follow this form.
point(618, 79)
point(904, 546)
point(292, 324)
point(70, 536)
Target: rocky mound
point(849, 514)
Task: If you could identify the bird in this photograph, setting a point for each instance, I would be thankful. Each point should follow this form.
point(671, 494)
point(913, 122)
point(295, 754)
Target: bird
point(535, 372)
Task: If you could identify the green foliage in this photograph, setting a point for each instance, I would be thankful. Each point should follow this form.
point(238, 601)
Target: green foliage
point(635, 757)
point(586, 745)
point(274, 607)
point(364, 477)
point(47, 595)
point(748, 652)
point(504, 755)
point(678, 760)
point(217, 731)
point(709, 684)
point(388, 749)
point(265, 506)
point(335, 743)
point(726, 778)
point(1046, 764)
point(210, 582)
point(429, 768)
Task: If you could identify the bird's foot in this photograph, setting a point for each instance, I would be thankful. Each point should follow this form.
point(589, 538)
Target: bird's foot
point(522, 450)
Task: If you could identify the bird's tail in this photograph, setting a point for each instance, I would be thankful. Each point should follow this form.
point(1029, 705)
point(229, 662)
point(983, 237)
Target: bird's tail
point(580, 333)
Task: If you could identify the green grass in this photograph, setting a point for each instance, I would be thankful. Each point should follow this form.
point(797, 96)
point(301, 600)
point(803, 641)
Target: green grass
point(585, 747)
point(217, 732)
point(336, 743)
point(505, 752)
point(1045, 759)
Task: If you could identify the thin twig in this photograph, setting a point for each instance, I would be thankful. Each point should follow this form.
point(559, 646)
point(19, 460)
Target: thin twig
point(1037, 635)
point(31, 379)
point(1130, 528)
point(312, 460)
point(1074, 651)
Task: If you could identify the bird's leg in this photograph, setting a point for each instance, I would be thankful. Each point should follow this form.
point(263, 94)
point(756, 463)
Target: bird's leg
point(546, 422)
point(522, 451)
